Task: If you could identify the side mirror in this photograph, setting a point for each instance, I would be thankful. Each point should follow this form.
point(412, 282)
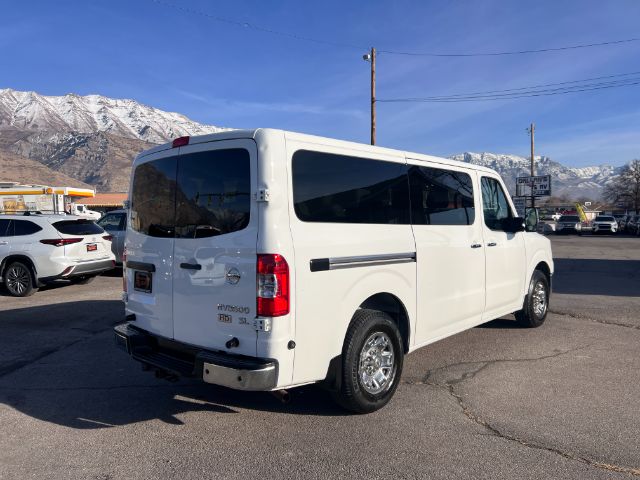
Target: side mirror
point(513, 224)
point(531, 219)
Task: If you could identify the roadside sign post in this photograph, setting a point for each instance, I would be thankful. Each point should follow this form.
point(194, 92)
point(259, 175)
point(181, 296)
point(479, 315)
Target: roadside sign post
point(539, 186)
point(527, 189)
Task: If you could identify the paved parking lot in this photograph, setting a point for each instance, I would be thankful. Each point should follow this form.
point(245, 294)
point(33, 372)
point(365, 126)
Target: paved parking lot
point(561, 401)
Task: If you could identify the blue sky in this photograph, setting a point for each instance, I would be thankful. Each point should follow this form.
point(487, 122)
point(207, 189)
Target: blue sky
point(227, 75)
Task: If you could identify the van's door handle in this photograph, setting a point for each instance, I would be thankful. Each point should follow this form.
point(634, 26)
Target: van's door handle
point(476, 245)
point(4, 243)
point(491, 244)
point(191, 266)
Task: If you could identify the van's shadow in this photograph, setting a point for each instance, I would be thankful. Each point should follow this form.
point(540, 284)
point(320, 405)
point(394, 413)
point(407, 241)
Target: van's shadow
point(590, 276)
point(59, 364)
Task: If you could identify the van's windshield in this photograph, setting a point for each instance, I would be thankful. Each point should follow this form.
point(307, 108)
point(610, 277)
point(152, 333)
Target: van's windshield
point(195, 195)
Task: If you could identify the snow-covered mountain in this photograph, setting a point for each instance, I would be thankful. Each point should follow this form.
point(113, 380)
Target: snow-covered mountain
point(574, 182)
point(92, 138)
point(95, 113)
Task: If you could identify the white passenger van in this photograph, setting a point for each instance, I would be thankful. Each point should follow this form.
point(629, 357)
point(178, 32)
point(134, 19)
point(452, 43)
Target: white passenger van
point(265, 260)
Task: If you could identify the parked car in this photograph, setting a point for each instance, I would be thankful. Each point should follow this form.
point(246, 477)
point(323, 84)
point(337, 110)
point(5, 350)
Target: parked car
point(115, 223)
point(622, 222)
point(39, 249)
point(604, 224)
point(633, 225)
point(264, 260)
point(569, 224)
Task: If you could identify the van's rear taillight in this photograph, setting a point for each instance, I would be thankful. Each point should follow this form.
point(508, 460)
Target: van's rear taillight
point(272, 285)
point(60, 242)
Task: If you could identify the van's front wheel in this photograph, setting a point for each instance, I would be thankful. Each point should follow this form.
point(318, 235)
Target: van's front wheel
point(372, 359)
point(536, 305)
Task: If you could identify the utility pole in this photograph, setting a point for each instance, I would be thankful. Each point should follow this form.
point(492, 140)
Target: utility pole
point(532, 131)
point(371, 57)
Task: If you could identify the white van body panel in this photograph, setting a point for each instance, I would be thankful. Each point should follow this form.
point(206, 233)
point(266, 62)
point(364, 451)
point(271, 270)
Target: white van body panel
point(342, 290)
point(275, 237)
point(450, 269)
point(447, 286)
point(506, 264)
point(201, 296)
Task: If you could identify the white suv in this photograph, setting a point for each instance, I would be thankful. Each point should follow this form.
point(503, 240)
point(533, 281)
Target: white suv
point(37, 249)
point(264, 260)
point(605, 224)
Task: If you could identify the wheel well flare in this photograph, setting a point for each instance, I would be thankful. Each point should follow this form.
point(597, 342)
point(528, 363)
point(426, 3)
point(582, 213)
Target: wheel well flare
point(393, 306)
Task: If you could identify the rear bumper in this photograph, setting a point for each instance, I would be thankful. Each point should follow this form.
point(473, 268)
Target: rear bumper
point(82, 269)
point(179, 359)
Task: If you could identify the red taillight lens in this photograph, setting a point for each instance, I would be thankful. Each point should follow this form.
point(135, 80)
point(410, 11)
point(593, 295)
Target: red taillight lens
point(108, 237)
point(60, 242)
point(180, 142)
point(272, 285)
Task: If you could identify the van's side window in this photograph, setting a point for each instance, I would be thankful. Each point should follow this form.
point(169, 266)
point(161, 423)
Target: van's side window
point(494, 204)
point(440, 197)
point(213, 194)
point(344, 189)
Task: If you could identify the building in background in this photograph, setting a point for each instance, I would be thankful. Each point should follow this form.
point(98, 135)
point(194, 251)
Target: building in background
point(105, 202)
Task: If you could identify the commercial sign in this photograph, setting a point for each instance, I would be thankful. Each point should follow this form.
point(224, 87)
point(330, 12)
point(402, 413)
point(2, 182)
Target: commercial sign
point(521, 204)
point(539, 186)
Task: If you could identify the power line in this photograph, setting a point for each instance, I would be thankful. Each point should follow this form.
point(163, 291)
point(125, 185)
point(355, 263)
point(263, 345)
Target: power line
point(534, 86)
point(322, 41)
point(515, 52)
point(258, 28)
point(524, 94)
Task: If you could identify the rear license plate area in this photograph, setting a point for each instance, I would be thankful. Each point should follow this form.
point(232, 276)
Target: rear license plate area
point(142, 281)
point(92, 247)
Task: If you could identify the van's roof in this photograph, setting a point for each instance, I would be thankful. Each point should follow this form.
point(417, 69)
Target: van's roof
point(266, 132)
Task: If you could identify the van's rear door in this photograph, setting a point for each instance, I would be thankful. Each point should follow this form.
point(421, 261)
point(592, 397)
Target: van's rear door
point(149, 243)
point(216, 231)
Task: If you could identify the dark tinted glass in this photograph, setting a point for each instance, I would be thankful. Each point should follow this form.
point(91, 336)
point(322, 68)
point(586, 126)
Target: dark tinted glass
point(112, 222)
point(342, 189)
point(494, 204)
point(569, 218)
point(153, 199)
point(440, 197)
point(4, 228)
point(213, 195)
point(78, 227)
point(24, 227)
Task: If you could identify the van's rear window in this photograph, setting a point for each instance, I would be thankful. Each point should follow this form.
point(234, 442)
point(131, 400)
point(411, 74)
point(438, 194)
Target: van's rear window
point(78, 227)
point(196, 195)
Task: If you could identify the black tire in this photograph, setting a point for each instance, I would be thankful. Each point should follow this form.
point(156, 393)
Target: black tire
point(532, 315)
point(84, 280)
point(354, 394)
point(18, 280)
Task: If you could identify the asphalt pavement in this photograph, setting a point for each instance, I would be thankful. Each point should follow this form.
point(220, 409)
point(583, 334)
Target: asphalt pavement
point(497, 401)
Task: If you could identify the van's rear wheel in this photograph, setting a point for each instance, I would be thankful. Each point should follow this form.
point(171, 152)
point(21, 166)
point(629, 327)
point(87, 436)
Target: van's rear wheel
point(18, 280)
point(372, 359)
point(536, 305)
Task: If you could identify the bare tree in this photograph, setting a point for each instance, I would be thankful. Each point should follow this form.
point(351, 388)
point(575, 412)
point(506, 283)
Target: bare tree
point(625, 188)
